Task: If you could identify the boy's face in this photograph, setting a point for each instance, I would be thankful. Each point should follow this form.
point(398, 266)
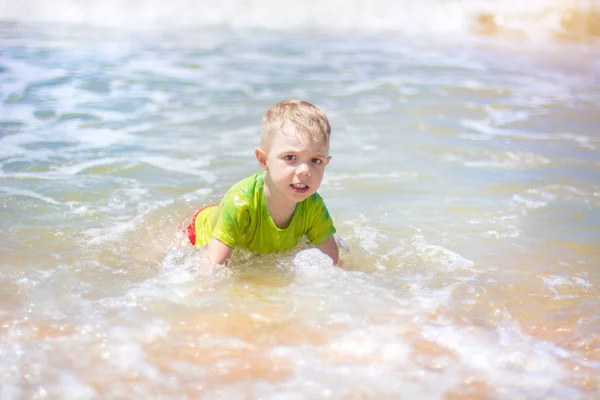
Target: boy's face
point(295, 166)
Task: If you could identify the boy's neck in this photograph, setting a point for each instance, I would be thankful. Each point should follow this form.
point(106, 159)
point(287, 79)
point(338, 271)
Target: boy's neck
point(280, 209)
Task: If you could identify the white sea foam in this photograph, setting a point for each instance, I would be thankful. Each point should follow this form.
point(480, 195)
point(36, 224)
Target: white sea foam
point(502, 116)
point(20, 74)
point(28, 193)
point(313, 263)
point(70, 387)
point(534, 18)
point(100, 138)
point(195, 166)
point(532, 199)
point(556, 282)
point(116, 231)
point(508, 160)
point(393, 175)
point(488, 129)
point(503, 360)
point(80, 167)
point(444, 259)
point(13, 147)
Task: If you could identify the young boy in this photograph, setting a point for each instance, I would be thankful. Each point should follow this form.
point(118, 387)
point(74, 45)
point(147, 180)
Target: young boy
point(273, 209)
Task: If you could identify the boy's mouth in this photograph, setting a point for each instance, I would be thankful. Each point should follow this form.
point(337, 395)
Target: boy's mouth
point(299, 188)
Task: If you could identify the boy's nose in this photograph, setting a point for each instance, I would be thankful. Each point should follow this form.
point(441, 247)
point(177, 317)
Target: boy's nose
point(303, 169)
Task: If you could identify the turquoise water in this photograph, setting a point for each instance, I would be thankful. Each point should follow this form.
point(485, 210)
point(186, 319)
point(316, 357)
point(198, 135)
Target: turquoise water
point(464, 179)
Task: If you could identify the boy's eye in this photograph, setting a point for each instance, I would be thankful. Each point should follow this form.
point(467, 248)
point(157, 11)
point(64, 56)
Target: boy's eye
point(289, 157)
point(317, 161)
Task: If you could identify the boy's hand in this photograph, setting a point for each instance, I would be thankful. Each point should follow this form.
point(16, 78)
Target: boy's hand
point(330, 247)
point(218, 253)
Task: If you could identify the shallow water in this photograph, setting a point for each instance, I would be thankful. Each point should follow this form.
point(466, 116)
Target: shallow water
point(464, 180)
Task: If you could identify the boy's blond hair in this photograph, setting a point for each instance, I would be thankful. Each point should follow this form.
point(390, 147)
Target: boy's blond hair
point(309, 120)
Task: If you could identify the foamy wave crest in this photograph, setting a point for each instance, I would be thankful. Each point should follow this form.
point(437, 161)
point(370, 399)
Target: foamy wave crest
point(570, 18)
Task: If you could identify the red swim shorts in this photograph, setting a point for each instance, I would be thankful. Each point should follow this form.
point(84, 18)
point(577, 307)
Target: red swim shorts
point(191, 229)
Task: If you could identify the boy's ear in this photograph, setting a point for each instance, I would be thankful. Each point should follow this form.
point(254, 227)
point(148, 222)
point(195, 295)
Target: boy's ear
point(261, 157)
point(328, 159)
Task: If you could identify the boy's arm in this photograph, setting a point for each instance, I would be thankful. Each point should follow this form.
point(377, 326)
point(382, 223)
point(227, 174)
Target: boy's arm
point(218, 253)
point(330, 248)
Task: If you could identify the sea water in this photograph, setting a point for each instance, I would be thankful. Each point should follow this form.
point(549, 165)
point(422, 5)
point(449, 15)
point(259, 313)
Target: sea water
point(465, 180)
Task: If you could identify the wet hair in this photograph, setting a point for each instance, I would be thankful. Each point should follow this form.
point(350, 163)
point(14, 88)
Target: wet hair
point(308, 120)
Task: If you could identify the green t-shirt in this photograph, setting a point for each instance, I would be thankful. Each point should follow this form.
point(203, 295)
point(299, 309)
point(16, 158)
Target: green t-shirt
point(242, 219)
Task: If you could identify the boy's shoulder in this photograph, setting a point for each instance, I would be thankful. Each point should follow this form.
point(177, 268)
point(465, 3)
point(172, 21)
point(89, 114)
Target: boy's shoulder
point(250, 185)
point(314, 198)
point(313, 204)
point(245, 193)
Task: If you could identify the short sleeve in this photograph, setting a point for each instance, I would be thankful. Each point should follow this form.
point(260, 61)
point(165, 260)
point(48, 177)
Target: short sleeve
point(320, 223)
point(232, 219)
